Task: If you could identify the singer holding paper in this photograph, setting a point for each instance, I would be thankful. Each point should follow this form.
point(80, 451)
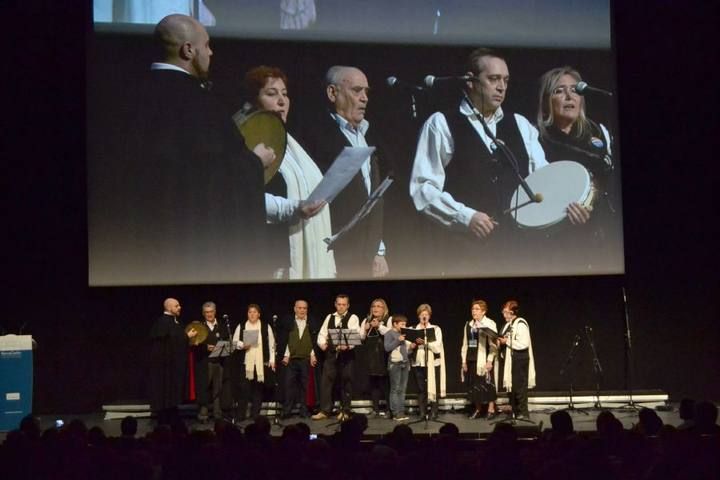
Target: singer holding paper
point(479, 360)
point(339, 359)
point(255, 344)
point(518, 362)
point(296, 228)
point(361, 253)
point(429, 365)
point(210, 373)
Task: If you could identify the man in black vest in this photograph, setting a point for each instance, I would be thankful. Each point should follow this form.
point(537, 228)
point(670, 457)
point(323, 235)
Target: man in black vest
point(461, 183)
point(210, 374)
point(297, 337)
point(361, 253)
point(339, 360)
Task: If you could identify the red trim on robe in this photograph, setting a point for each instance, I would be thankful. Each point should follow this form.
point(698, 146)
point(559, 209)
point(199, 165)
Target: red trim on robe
point(191, 375)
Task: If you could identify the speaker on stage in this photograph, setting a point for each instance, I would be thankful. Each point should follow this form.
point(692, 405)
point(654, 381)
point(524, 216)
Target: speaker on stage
point(16, 379)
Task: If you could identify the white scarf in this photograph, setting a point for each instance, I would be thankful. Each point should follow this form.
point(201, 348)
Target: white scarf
point(254, 355)
point(507, 371)
point(309, 256)
point(433, 362)
point(482, 354)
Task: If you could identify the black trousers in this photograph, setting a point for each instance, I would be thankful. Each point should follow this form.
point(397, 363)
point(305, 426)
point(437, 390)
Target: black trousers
point(520, 370)
point(378, 390)
point(337, 366)
point(421, 379)
point(252, 393)
point(296, 379)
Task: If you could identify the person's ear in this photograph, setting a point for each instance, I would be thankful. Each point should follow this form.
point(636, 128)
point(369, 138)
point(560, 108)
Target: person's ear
point(331, 92)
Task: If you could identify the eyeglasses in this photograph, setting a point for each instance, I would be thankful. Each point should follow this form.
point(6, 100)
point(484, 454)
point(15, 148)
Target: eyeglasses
point(565, 90)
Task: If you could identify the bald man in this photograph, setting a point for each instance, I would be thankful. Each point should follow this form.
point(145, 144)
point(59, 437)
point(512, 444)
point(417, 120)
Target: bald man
point(187, 193)
point(361, 253)
point(168, 361)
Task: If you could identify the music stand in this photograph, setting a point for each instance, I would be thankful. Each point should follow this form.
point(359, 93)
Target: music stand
point(338, 337)
point(567, 367)
point(428, 335)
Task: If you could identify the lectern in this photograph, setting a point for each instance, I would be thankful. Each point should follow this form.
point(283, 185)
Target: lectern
point(16, 380)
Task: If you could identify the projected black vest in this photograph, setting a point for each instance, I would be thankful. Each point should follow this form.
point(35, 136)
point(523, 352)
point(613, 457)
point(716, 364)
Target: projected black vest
point(481, 179)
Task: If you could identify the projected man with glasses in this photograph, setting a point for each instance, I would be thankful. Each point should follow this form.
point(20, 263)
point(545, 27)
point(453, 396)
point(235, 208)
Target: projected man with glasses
point(463, 184)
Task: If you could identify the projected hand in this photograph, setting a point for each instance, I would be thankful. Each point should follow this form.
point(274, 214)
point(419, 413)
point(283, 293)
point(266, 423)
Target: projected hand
point(266, 154)
point(577, 215)
point(481, 225)
point(308, 210)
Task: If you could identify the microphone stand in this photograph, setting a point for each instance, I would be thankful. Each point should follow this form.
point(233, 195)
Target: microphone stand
point(343, 340)
point(631, 405)
point(426, 416)
point(597, 368)
point(567, 367)
point(276, 418)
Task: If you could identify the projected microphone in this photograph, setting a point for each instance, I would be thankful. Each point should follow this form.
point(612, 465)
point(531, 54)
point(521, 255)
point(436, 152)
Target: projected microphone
point(582, 88)
point(431, 81)
point(226, 317)
point(396, 83)
point(537, 198)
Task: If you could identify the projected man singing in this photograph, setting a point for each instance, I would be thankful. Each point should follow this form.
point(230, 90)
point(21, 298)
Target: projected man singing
point(360, 254)
point(459, 179)
point(187, 202)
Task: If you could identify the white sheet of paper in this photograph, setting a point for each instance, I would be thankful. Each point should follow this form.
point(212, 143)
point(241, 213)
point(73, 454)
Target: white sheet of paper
point(342, 170)
point(250, 337)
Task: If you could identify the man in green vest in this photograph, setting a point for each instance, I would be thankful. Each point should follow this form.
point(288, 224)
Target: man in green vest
point(297, 344)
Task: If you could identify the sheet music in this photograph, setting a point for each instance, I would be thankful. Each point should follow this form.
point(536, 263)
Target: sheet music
point(362, 213)
point(250, 337)
point(342, 170)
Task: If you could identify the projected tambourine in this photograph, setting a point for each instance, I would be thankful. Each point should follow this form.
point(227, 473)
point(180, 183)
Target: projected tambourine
point(559, 184)
point(264, 127)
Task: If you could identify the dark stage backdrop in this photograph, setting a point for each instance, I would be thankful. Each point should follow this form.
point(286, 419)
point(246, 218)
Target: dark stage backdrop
point(92, 341)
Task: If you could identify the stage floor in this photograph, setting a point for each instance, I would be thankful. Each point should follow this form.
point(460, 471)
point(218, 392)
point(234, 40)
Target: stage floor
point(377, 427)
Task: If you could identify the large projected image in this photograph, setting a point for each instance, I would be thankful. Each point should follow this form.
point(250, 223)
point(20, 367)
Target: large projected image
point(226, 160)
point(585, 23)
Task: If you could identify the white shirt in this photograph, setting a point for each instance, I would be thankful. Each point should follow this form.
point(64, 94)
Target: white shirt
point(237, 341)
point(434, 153)
point(353, 324)
point(167, 66)
point(435, 347)
point(520, 336)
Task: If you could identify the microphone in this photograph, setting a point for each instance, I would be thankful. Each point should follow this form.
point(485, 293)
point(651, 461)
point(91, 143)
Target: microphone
point(396, 83)
point(576, 341)
point(582, 88)
point(226, 317)
point(431, 81)
point(274, 319)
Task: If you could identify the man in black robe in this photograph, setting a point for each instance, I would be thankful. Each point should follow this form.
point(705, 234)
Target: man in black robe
point(181, 200)
point(168, 362)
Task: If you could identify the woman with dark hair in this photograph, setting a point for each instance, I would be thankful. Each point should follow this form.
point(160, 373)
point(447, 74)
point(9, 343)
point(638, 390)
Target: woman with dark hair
point(479, 358)
point(255, 351)
point(518, 361)
point(301, 227)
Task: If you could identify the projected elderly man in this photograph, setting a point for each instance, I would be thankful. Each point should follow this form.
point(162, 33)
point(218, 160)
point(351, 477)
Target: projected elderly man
point(192, 207)
point(361, 253)
point(461, 182)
